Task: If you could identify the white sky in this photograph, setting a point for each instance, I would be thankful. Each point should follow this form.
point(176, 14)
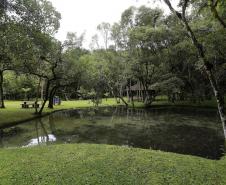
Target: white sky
point(84, 15)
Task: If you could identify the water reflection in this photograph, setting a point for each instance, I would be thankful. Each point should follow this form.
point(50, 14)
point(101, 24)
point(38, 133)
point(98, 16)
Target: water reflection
point(180, 131)
point(46, 138)
point(41, 140)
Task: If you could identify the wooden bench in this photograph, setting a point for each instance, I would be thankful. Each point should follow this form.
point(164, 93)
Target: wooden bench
point(27, 105)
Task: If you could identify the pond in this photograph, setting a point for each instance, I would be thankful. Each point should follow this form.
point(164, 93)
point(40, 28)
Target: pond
point(183, 131)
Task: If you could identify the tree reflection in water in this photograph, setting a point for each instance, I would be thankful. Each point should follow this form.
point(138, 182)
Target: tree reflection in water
point(42, 136)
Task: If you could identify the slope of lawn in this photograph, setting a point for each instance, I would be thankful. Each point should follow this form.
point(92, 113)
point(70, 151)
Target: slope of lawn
point(104, 164)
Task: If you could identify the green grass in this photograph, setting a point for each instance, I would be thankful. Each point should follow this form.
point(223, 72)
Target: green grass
point(104, 164)
point(206, 104)
point(14, 112)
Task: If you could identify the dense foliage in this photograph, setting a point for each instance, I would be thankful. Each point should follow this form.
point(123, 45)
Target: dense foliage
point(146, 54)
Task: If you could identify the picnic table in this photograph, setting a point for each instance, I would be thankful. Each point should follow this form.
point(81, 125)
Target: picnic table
point(27, 105)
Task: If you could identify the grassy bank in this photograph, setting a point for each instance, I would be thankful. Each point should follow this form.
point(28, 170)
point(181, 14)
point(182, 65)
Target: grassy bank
point(103, 164)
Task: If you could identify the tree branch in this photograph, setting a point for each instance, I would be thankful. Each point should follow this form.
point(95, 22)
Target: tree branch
point(216, 14)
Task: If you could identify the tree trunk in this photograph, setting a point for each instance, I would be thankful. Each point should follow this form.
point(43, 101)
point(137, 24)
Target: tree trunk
point(46, 97)
point(209, 71)
point(2, 105)
point(207, 65)
point(219, 98)
point(42, 89)
point(130, 91)
point(37, 96)
point(42, 107)
point(143, 91)
point(50, 105)
point(121, 98)
point(132, 99)
point(51, 96)
point(127, 94)
point(117, 95)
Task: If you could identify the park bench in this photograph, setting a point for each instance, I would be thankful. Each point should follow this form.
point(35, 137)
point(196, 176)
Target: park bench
point(26, 105)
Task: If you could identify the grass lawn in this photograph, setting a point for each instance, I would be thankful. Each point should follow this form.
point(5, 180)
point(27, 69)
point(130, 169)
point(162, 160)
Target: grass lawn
point(205, 104)
point(104, 164)
point(14, 112)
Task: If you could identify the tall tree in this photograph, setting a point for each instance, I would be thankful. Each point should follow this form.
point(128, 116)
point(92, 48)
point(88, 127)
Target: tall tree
point(21, 25)
point(95, 42)
point(73, 41)
point(207, 65)
point(104, 29)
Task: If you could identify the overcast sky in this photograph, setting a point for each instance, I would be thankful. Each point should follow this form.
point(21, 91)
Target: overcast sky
point(84, 15)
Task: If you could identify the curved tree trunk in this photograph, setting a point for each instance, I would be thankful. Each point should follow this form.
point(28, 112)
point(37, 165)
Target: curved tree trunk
point(208, 67)
point(121, 98)
point(209, 71)
point(2, 104)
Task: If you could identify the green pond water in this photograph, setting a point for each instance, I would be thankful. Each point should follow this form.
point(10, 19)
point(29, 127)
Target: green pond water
point(183, 131)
